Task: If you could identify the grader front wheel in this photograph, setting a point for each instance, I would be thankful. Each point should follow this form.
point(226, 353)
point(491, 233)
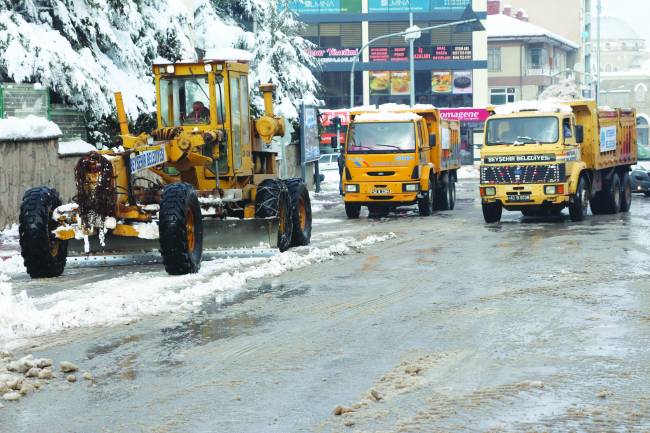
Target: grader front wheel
point(273, 200)
point(180, 229)
point(43, 254)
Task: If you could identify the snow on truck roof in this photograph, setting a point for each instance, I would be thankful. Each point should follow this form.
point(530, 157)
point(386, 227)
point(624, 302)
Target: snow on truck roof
point(543, 106)
point(387, 116)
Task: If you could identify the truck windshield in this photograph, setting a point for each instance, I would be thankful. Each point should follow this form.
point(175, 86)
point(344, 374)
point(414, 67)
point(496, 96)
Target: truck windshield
point(522, 130)
point(185, 100)
point(381, 137)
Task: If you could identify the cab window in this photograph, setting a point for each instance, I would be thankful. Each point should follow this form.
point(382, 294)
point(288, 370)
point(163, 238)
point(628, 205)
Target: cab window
point(185, 100)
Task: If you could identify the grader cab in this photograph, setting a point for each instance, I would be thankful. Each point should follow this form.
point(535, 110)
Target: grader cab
point(205, 177)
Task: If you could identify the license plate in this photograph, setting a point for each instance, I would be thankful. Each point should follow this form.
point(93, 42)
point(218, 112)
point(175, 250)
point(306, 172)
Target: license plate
point(381, 191)
point(519, 197)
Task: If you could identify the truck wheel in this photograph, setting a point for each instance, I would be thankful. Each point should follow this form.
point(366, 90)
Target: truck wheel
point(272, 200)
point(180, 229)
point(352, 210)
point(452, 194)
point(300, 211)
point(443, 196)
point(626, 193)
point(43, 254)
point(580, 204)
point(611, 196)
point(425, 204)
point(492, 212)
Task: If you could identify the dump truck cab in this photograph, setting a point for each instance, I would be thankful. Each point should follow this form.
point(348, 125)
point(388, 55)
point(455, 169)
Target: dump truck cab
point(396, 156)
point(539, 158)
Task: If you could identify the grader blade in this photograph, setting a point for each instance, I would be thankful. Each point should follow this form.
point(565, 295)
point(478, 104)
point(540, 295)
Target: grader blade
point(217, 235)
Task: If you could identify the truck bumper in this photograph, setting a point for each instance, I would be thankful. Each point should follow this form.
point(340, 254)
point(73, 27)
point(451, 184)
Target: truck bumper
point(523, 195)
point(381, 192)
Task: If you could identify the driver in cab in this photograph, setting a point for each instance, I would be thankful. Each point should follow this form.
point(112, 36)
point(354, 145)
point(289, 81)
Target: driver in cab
point(200, 113)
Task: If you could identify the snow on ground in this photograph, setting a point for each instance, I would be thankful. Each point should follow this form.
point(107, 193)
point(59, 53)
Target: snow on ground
point(136, 294)
point(75, 147)
point(468, 172)
point(28, 128)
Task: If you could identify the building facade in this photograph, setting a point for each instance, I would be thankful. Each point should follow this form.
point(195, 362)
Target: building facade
point(523, 58)
point(450, 62)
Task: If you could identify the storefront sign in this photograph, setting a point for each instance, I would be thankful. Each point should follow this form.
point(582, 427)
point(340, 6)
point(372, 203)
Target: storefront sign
point(334, 55)
point(435, 52)
point(389, 83)
point(354, 6)
point(462, 83)
point(465, 114)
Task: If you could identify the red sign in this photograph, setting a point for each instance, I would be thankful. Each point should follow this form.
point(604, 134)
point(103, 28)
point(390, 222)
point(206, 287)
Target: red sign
point(436, 52)
point(326, 117)
point(465, 114)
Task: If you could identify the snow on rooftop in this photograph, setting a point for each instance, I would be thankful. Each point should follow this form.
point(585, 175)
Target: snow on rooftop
point(387, 116)
point(543, 106)
point(227, 53)
point(28, 128)
point(503, 26)
point(75, 147)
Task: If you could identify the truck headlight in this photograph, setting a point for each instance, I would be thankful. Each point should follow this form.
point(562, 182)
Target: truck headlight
point(350, 187)
point(170, 69)
point(490, 190)
point(550, 190)
point(411, 187)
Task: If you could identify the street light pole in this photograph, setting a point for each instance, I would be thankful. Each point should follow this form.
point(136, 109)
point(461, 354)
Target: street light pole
point(411, 64)
point(598, 11)
point(404, 33)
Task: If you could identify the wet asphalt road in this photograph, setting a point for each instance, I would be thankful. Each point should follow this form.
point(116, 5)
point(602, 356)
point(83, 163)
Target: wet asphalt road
point(453, 325)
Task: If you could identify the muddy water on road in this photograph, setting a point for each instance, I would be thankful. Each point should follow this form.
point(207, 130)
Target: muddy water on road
point(454, 325)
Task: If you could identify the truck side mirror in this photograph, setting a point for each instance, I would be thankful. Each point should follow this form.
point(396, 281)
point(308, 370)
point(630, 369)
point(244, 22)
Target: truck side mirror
point(432, 140)
point(580, 134)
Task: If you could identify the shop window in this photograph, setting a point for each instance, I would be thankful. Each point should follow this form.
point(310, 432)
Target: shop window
point(494, 59)
point(335, 90)
point(310, 32)
point(500, 96)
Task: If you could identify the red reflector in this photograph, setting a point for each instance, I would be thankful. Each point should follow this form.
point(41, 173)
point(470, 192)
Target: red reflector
point(560, 189)
point(482, 191)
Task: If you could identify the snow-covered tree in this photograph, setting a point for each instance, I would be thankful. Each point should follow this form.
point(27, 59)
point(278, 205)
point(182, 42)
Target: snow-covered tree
point(565, 90)
point(270, 31)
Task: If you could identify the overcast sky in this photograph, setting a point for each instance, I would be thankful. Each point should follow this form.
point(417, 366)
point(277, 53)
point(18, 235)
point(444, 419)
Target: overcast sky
point(635, 12)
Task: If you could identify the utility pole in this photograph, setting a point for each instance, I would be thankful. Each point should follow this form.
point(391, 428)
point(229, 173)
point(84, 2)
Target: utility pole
point(411, 62)
point(598, 11)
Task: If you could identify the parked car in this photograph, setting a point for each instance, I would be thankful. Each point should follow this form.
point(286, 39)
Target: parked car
point(328, 162)
point(640, 181)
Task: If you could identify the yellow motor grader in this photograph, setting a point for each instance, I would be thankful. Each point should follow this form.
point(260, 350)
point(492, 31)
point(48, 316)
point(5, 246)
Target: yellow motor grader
point(216, 178)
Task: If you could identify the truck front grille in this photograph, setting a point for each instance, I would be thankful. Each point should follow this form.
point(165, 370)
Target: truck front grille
point(514, 174)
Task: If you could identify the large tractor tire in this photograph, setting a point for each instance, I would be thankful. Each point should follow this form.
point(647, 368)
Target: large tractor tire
point(426, 203)
point(492, 212)
point(300, 211)
point(626, 193)
point(579, 206)
point(43, 254)
point(352, 210)
point(180, 229)
point(272, 200)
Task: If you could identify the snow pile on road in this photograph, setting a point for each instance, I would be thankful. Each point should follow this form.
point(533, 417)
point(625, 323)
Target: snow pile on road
point(28, 128)
point(542, 106)
point(565, 90)
point(75, 147)
point(128, 297)
point(468, 172)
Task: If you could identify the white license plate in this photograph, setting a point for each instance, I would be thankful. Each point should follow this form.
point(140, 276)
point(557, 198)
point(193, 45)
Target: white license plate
point(381, 191)
point(520, 198)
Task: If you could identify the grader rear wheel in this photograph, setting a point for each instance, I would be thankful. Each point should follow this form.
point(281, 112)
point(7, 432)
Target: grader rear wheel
point(180, 229)
point(300, 211)
point(272, 200)
point(44, 255)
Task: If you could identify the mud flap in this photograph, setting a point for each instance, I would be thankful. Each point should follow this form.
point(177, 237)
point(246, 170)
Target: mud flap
point(217, 235)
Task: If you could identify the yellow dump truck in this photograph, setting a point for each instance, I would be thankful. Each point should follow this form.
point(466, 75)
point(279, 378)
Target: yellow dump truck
point(539, 158)
point(395, 156)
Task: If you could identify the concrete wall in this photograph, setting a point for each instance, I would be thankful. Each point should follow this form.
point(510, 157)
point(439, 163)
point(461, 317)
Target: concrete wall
point(32, 163)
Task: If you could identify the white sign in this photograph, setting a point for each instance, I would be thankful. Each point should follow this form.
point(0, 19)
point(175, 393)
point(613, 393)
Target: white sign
point(607, 138)
point(148, 159)
point(446, 138)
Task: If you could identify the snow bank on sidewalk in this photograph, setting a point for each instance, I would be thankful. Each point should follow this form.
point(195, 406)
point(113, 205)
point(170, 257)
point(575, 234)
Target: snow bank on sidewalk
point(28, 128)
point(131, 296)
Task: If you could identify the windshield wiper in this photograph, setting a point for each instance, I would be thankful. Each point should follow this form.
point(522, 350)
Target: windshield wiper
point(388, 145)
point(530, 139)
